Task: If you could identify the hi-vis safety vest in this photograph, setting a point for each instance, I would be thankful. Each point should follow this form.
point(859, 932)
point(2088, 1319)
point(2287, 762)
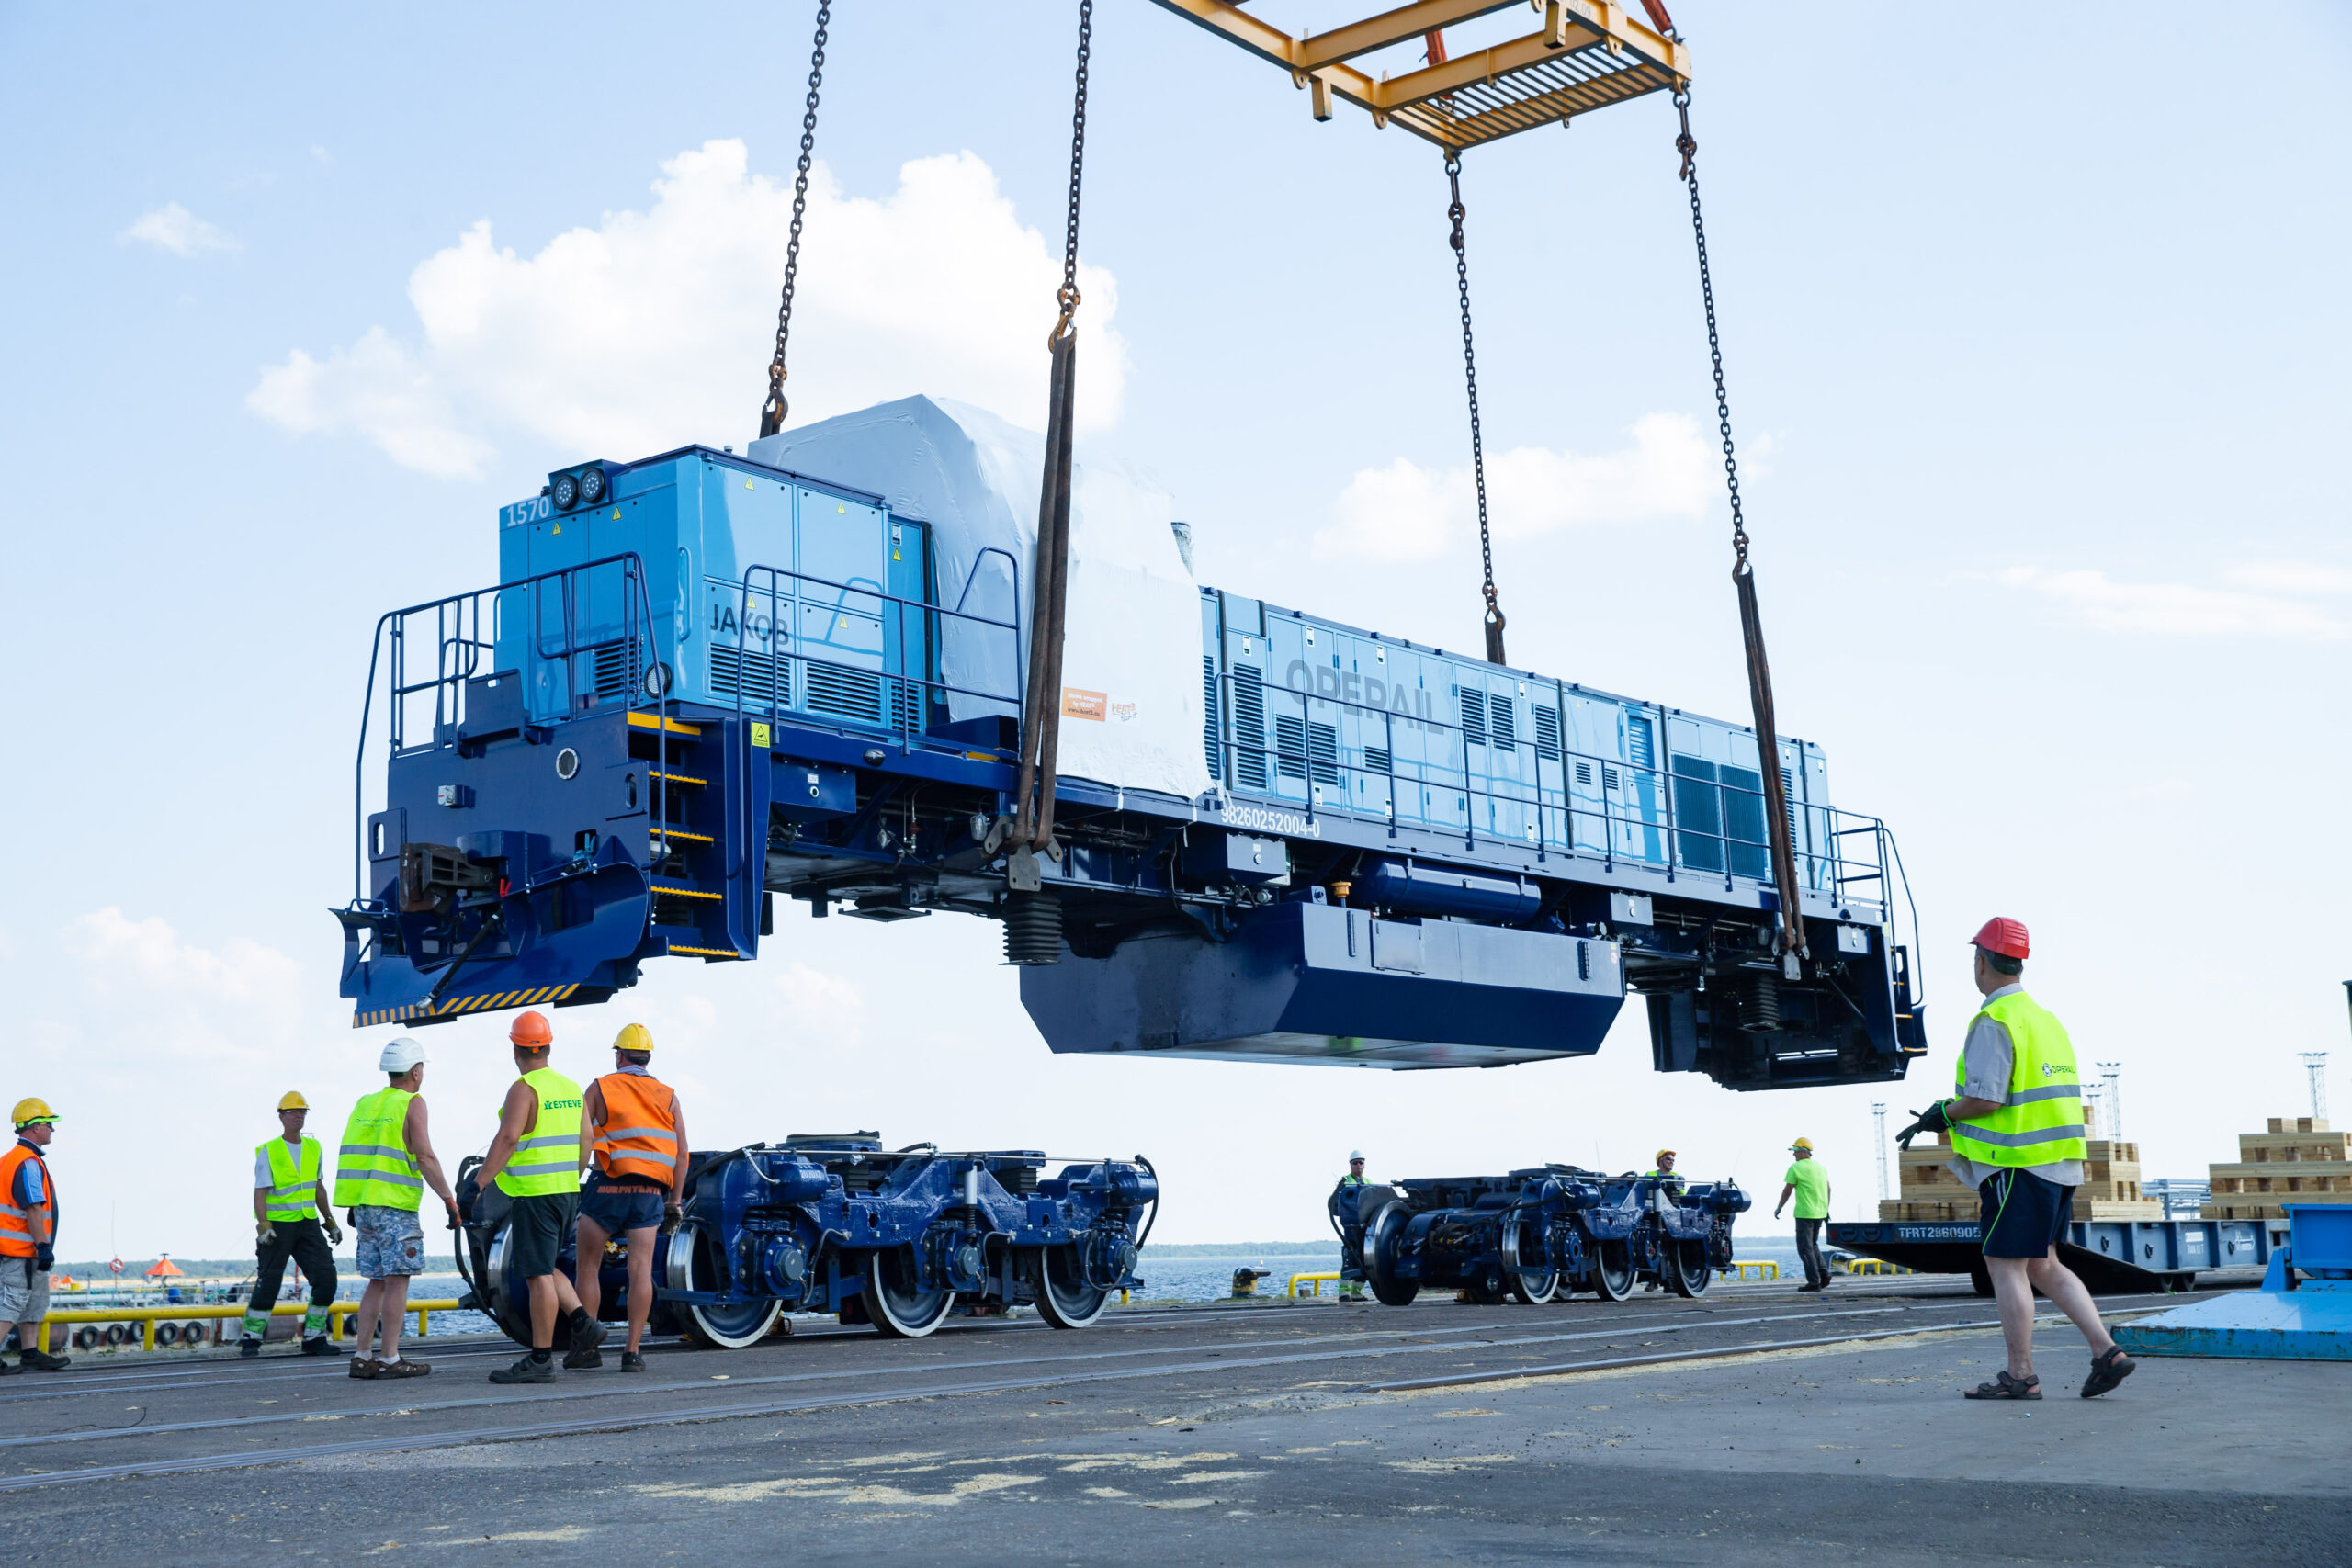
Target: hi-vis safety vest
point(16, 1222)
point(548, 1159)
point(373, 1167)
point(639, 1137)
point(293, 1180)
point(2040, 1119)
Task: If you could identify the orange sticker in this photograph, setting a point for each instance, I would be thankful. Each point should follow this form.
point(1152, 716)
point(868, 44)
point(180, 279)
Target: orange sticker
point(1084, 704)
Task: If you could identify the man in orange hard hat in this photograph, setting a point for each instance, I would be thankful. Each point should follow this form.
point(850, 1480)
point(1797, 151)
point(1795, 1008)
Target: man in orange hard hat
point(535, 1159)
point(2018, 1137)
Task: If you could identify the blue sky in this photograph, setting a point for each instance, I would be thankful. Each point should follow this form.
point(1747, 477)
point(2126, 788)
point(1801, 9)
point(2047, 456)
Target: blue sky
point(2035, 348)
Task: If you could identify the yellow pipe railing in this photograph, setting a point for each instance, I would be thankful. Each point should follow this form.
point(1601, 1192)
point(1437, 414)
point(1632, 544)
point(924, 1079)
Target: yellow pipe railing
point(150, 1317)
point(1765, 1270)
point(1876, 1266)
point(1313, 1282)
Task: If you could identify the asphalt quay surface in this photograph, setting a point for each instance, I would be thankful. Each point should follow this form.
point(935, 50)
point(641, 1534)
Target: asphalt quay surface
point(1198, 1434)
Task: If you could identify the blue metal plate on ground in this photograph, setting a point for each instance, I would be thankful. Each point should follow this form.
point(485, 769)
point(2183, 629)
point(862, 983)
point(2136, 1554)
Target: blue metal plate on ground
point(2296, 1325)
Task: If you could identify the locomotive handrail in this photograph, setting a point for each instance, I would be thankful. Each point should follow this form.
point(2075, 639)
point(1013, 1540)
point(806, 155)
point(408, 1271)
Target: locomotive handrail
point(1827, 857)
point(456, 611)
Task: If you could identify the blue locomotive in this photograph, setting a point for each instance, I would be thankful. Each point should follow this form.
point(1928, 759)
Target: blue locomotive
point(705, 681)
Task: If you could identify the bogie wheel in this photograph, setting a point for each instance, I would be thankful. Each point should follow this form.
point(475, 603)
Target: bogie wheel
point(1064, 1298)
point(1380, 1235)
point(1687, 1273)
point(690, 1267)
point(897, 1301)
point(1611, 1278)
point(1524, 1284)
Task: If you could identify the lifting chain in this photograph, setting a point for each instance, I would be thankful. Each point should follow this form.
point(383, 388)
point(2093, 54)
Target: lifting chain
point(771, 412)
point(1687, 145)
point(1455, 211)
point(1032, 826)
point(1778, 816)
point(1067, 296)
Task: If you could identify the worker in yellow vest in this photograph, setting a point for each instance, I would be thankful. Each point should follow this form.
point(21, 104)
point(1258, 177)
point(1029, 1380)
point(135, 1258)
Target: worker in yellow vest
point(2017, 1137)
point(385, 1164)
point(536, 1159)
point(637, 1189)
point(29, 1236)
point(293, 1217)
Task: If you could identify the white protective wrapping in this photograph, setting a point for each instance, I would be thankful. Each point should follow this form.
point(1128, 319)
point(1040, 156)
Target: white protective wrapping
point(1131, 715)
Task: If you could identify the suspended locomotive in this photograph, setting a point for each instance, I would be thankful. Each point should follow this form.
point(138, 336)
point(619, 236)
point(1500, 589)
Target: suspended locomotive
point(707, 680)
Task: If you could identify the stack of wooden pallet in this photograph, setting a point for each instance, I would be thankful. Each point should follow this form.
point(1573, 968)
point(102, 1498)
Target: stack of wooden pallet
point(2110, 1189)
point(2299, 1160)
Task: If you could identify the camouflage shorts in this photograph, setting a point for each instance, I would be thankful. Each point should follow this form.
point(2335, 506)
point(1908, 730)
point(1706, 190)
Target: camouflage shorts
point(389, 1241)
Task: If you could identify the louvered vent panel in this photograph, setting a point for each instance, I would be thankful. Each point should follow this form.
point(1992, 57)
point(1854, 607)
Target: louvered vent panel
point(1249, 727)
point(1547, 734)
point(845, 694)
point(1474, 715)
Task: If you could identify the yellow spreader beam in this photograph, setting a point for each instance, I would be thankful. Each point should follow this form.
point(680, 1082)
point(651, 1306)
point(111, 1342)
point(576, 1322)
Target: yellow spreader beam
point(1587, 55)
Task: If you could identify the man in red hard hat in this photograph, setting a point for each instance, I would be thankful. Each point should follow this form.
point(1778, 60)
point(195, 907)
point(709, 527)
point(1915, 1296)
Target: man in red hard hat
point(2018, 1137)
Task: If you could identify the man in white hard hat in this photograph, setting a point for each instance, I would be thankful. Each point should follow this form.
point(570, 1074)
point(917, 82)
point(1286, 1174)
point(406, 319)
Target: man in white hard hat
point(1346, 1208)
point(293, 1218)
point(380, 1173)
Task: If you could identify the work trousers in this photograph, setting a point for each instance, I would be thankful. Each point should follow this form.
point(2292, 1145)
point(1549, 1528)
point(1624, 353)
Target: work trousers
point(1816, 1272)
point(306, 1243)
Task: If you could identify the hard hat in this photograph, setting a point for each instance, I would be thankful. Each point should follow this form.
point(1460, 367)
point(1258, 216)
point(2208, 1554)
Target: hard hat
point(532, 1031)
point(400, 1055)
point(30, 1109)
point(1355, 1155)
point(1805, 1143)
point(2003, 935)
point(632, 1037)
point(1666, 1154)
point(293, 1100)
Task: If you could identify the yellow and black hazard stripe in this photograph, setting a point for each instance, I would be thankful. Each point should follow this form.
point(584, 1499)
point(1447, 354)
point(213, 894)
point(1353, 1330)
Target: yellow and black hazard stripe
point(487, 1002)
point(704, 952)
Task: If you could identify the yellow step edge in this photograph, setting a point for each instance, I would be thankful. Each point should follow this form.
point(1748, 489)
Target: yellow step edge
point(674, 778)
point(649, 721)
point(689, 893)
point(680, 833)
point(705, 952)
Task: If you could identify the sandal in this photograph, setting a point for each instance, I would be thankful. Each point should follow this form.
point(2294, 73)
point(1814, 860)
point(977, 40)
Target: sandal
point(2006, 1387)
point(2106, 1372)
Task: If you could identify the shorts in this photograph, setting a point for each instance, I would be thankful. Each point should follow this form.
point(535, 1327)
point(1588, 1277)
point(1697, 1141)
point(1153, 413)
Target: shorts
point(24, 1294)
point(2025, 1216)
point(389, 1242)
point(537, 1229)
point(618, 1212)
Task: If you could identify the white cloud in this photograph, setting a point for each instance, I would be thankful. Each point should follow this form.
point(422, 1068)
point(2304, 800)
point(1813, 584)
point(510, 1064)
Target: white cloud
point(2292, 577)
point(1405, 512)
point(654, 328)
point(2180, 609)
point(174, 228)
point(823, 1010)
point(190, 999)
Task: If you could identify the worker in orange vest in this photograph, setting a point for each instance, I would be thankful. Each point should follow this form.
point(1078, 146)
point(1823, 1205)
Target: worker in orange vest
point(638, 1187)
point(29, 1236)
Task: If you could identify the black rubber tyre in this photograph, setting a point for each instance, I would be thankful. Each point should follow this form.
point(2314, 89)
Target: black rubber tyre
point(1395, 1292)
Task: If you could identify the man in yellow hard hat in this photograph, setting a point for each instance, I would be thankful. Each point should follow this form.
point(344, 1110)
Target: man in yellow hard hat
point(542, 1141)
point(637, 1189)
point(28, 1236)
point(1809, 1182)
point(290, 1205)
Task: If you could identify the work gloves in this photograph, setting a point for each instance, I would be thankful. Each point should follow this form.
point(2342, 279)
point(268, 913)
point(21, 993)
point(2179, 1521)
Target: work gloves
point(1931, 1120)
point(673, 1217)
point(44, 1257)
point(264, 1232)
point(335, 1232)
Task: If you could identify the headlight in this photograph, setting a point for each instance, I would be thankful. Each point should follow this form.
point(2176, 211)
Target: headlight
point(591, 486)
point(564, 492)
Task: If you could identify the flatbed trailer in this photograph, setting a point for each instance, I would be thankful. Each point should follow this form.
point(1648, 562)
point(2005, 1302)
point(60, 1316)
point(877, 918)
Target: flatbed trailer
point(2111, 1257)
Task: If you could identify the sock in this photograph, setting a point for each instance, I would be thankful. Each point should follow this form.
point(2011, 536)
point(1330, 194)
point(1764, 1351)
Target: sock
point(579, 1319)
point(391, 1360)
point(542, 1355)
